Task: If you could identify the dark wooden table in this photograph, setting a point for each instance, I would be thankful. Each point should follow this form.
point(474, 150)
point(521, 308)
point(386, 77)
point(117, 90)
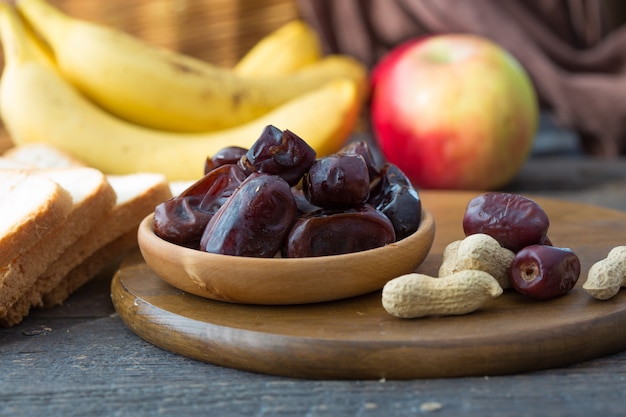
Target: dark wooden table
point(80, 359)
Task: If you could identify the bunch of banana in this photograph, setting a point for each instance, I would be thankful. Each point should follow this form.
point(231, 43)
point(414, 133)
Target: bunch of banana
point(38, 104)
point(163, 89)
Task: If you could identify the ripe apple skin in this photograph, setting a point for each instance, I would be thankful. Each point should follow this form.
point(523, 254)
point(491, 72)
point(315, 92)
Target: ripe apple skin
point(454, 111)
point(382, 66)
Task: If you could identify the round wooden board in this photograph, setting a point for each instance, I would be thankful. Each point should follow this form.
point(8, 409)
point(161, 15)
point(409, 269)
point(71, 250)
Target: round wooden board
point(356, 339)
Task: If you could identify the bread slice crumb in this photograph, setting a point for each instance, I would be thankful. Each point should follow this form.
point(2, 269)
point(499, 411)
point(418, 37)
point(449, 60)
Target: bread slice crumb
point(138, 195)
point(32, 206)
point(93, 198)
point(42, 156)
point(56, 253)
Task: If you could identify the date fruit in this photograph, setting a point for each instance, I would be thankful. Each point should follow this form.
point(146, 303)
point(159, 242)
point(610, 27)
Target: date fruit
point(281, 153)
point(396, 198)
point(254, 221)
point(337, 181)
point(212, 190)
point(513, 220)
point(335, 232)
point(544, 272)
point(228, 155)
point(182, 219)
point(249, 200)
point(302, 203)
point(178, 222)
point(363, 149)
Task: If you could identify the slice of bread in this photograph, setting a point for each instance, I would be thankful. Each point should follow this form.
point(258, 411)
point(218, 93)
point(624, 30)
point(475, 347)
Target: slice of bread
point(103, 258)
point(138, 195)
point(32, 206)
point(6, 163)
point(41, 155)
point(93, 198)
point(95, 245)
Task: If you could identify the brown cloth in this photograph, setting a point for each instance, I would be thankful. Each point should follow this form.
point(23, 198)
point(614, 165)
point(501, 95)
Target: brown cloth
point(574, 50)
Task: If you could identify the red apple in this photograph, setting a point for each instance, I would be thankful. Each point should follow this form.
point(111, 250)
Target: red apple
point(390, 58)
point(454, 111)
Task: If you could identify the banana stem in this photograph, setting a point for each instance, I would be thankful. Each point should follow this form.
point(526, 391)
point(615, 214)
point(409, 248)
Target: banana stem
point(13, 35)
point(18, 41)
point(51, 23)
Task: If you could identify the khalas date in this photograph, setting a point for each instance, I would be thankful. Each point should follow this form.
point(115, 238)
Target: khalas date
point(225, 156)
point(513, 220)
point(544, 272)
point(281, 153)
point(254, 221)
point(335, 232)
point(182, 219)
point(336, 181)
point(363, 149)
point(396, 198)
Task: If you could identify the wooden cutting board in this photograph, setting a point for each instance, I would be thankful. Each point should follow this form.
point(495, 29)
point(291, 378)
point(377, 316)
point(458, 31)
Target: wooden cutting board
point(357, 339)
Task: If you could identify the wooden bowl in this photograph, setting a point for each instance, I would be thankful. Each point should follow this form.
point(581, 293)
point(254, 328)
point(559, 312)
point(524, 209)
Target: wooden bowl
point(277, 281)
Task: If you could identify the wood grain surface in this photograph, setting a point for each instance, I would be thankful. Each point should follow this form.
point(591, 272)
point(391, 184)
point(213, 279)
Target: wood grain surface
point(80, 359)
point(356, 338)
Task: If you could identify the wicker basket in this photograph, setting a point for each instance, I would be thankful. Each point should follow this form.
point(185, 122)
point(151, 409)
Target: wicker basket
point(218, 31)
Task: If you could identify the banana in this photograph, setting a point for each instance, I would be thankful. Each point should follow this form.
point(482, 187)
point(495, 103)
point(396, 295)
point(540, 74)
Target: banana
point(38, 49)
point(38, 105)
point(289, 48)
point(163, 89)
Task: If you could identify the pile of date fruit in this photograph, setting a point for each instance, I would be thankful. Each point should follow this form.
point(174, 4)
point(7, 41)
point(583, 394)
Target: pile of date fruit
point(278, 199)
point(539, 269)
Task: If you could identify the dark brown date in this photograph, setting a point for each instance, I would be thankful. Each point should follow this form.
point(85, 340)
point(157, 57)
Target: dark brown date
point(281, 153)
point(513, 220)
point(304, 205)
point(212, 190)
point(336, 181)
point(363, 149)
point(254, 221)
point(544, 272)
point(333, 232)
point(178, 222)
point(396, 198)
point(225, 156)
point(182, 219)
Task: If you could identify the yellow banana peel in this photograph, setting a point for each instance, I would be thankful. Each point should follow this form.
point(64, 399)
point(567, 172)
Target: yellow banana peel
point(291, 47)
point(164, 89)
point(38, 105)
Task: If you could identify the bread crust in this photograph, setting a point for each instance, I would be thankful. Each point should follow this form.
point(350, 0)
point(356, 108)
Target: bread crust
point(34, 225)
point(93, 199)
point(112, 253)
point(55, 254)
point(42, 156)
point(131, 212)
